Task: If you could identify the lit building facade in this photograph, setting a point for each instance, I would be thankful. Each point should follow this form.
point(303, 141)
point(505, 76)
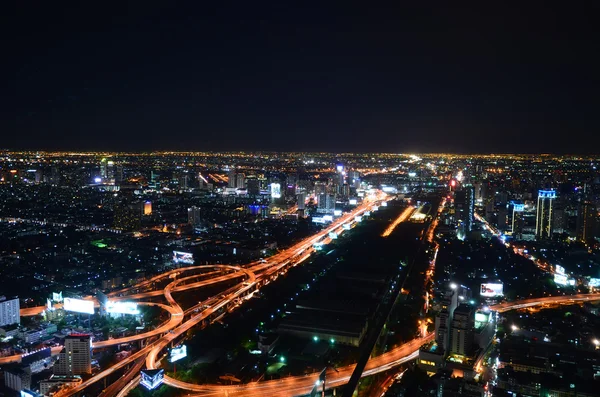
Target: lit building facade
point(543, 219)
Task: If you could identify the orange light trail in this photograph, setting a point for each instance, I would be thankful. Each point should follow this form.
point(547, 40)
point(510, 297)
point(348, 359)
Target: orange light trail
point(401, 218)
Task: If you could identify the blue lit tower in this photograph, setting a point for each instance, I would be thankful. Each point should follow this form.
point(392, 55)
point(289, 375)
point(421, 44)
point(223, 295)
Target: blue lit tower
point(543, 219)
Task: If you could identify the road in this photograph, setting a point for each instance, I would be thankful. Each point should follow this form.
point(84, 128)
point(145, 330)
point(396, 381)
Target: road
point(257, 275)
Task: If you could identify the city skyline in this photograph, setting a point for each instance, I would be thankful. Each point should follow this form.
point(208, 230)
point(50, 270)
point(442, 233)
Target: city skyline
point(286, 78)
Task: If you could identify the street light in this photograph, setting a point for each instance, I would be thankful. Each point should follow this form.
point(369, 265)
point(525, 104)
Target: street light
point(316, 338)
point(281, 359)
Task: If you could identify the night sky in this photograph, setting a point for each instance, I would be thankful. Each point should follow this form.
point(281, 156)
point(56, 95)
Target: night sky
point(310, 76)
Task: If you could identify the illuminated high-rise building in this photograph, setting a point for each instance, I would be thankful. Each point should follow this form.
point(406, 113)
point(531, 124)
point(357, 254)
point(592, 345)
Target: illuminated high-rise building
point(543, 219)
point(586, 221)
point(518, 220)
point(461, 340)
point(9, 311)
point(194, 217)
point(253, 186)
point(464, 206)
point(231, 178)
point(76, 356)
point(148, 208)
point(240, 180)
point(107, 171)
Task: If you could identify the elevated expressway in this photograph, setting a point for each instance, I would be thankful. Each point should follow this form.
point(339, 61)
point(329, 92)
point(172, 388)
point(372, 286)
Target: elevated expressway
point(254, 275)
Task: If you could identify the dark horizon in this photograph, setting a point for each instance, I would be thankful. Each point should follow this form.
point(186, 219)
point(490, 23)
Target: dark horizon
point(312, 78)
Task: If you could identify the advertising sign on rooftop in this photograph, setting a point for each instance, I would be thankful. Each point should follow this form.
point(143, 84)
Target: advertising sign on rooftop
point(183, 257)
point(120, 307)
point(491, 290)
point(78, 305)
point(177, 353)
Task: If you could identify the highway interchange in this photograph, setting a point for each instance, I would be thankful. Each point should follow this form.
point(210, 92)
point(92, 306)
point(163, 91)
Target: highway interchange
point(251, 278)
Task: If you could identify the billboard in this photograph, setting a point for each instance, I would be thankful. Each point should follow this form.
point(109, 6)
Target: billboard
point(333, 235)
point(558, 269)
point(358, 218)
point(560, 279)
point(275, 190)
point(78, 305)
point(57, 296)
point(352, 202)
point(177, 353)
point(491, 289)
point(594, 282)
point(152, 378)
point(183, 257)
point(120, 307)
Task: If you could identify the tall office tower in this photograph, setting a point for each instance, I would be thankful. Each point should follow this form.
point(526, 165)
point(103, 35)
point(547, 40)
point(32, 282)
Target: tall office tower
point(119, 174)
point(107, 171)
point(76, 356)
point(253, 186)
point(231, 178)
point(148, 208)
point(543, 219)
point(518, 219)
point(300, 200)
point(464, 207)
point(183, 181)
point(39, 176)
point(443, 320)
point(194, 217)
point(586, 221)
point(326, 203)
point(240, 180)
point(462, 330)
point(263, 183)
point(354, 178)
point(55, 176)
point(9, 311)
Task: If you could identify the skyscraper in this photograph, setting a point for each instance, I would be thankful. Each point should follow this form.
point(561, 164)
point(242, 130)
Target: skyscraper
point(107, 171)
point(253, 187)
point(76, 356)
point(9, 311)
point(462, 330)
point(586, 221)
point(543, 219)
point(464, 205)
point(194, 217)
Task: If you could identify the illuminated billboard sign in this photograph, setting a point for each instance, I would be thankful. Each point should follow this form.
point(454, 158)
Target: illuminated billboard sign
point(558, 269)
point(78, 305)
point(275, 190)
point(560, 279)
point(346, 226)
point(358, 218)
point(518, 207)
point(482, 317)
point(547, 194)
point(28, 393)
point(57, 297)
point(333, 235)
point(384, 204)
point(491, 290)
point(594, 282)
point(337, 212)
point(177, 353)
point(352, 201)
point(183, 257)
point(152, 378)
point(119, 307)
